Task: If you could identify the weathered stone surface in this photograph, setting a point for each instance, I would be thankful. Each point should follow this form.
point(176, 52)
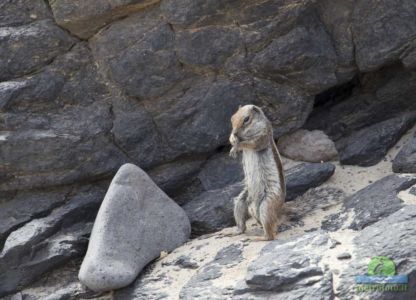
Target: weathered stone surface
point(135, 133)
point(48, 255)
point(25, 206)
point(212, 210)
point(195, 46)
point(305, 176)
point(280, 102)
point(219, 171)
point(368, 146)
point(216, 173)
point(304, 145)
point(84, 18)
point(186, 262)
point(372, 203)
point(63, 118)
point(19, 12)
point(141, 60)
point(374, 21)
point(79, 208)
point(199, 286)
point(336, 16)
point(59, 284)
point(282, 270)
point(405, 160)
point(392, 237)
point(29, 47)
point(170, 72)
point(313, 200)
point(200, 120)
point(173, 176)
point(303, 55)
point(186, 12)
point(45, 243)
point(150, 223)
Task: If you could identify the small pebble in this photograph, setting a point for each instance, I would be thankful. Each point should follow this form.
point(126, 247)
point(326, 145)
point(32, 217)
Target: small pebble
point(333, 243)
point(344, 255)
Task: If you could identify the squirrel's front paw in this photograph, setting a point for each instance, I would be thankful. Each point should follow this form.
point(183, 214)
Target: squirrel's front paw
point(233, 152)
point(233, 140)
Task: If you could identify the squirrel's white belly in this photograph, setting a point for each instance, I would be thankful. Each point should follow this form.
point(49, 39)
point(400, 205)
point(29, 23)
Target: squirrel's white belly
point(261, 174)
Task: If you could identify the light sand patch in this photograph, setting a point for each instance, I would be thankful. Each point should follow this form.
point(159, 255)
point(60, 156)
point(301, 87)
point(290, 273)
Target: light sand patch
point(354, 178)
point(407, 197)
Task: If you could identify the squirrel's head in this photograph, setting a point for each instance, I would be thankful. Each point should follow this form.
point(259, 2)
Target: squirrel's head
point(249, 122)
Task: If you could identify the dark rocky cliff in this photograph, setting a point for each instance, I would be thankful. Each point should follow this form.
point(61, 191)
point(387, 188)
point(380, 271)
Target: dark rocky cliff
point(86, 86)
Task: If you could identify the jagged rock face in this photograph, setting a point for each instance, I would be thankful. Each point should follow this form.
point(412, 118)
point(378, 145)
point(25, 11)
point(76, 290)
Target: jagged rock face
point(44, 243)
point(86, 86)
point(161, 84)
point(370, 117)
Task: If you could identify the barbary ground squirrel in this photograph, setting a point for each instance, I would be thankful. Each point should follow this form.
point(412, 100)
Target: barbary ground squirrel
point(264, 190)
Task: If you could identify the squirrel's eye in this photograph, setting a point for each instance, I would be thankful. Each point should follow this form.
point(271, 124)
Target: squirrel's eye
point(246, 119)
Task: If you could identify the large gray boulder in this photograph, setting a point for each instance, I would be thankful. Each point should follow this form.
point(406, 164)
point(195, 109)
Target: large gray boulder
point(136, 221)
point(305, 145)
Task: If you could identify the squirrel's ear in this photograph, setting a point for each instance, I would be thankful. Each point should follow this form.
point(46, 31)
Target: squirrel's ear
point(256, 109)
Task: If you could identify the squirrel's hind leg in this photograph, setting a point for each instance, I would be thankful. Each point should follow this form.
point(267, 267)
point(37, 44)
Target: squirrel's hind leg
point(241, 211)
point(270, 210)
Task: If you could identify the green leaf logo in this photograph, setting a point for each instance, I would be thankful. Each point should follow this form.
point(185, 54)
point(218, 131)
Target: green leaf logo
point(381, 265)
